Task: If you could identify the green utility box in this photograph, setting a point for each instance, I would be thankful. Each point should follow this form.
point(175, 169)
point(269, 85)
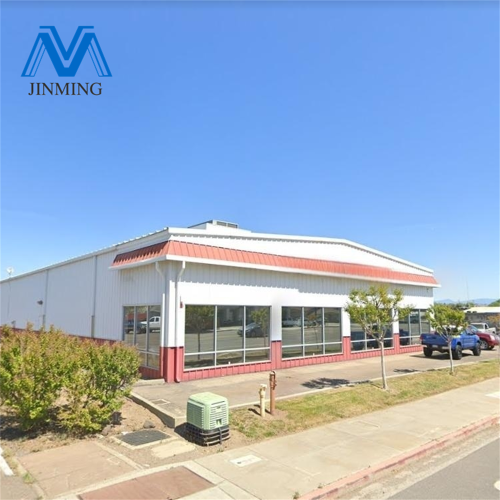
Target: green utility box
point(207, 419)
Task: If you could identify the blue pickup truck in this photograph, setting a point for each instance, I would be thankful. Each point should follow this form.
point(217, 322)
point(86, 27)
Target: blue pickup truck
point(464, 340)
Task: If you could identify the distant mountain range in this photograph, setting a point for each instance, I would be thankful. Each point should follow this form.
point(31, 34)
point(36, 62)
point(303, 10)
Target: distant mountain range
point(477, 302)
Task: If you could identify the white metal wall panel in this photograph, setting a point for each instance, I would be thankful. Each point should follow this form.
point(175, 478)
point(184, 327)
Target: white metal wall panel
point(311, 250)
point(19, 299)
point(216, 285)
point(70, 301)
point(140, 286)
point(108, 312)
point(214, 281)
point(70, 296)
point(118, 288)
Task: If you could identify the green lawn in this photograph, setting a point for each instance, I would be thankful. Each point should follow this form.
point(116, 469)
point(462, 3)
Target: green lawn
point(303, 412)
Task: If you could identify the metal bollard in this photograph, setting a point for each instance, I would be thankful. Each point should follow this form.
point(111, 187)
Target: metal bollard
point(262, 394)
point(272, 389)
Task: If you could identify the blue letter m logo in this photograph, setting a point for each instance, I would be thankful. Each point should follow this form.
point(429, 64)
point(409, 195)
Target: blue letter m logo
point(66, 62)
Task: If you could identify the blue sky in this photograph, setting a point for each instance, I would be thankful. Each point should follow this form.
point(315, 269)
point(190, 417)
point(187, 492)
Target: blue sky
point(376, 122)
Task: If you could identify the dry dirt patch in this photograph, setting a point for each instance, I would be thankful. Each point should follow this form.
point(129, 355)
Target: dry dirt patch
point(18, 443)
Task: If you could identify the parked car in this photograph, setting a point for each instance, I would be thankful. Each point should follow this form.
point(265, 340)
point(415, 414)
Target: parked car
point(129, 326)
point(466, 339)
point(289, 322)
point(358, 339)
point(252, 330)
point(487, 340)
point(154, 324)
point(484, 328)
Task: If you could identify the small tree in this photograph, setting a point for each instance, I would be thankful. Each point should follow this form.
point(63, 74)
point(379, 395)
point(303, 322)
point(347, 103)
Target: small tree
point(376, 310)
point(199, 319)
point(446, 321)
point(261, 317)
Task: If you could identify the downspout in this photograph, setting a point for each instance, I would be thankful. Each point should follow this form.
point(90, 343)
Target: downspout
point(177, 377)
point(163, 312)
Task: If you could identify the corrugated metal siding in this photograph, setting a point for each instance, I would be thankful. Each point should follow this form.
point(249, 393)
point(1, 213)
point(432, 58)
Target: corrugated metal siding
point(116, 289)
point(70, 297)
point(140, 286)
point(242, 258)
point(108, 320)
point(234, 284)
point(19, 300)
point(311, 250)
point(70, 300)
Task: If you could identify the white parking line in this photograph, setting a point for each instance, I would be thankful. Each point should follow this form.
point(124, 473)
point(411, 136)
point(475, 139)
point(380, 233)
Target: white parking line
point(494, 395)
point(4, 466)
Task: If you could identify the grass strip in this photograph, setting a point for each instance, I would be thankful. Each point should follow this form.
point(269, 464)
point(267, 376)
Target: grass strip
point(322, 408)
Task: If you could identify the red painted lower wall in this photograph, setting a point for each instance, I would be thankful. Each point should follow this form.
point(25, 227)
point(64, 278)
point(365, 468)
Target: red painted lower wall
point(173, 361)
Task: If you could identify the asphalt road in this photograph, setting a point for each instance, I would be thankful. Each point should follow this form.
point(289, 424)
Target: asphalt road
point(476, 476)
point(467, 469)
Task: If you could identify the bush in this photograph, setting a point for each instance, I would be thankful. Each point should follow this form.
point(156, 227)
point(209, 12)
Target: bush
point(38, 371)
point(33, 369)
point(101, 376)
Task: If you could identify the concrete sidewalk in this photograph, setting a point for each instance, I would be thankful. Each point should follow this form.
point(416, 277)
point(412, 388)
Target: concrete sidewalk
point(302, 463)
point(323, 460)
point(169, 401)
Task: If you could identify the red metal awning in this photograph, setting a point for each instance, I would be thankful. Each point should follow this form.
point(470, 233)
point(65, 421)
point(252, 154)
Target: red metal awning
point(208, 252)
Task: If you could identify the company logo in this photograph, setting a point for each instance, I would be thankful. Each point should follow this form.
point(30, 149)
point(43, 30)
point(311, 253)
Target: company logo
point(66, 62)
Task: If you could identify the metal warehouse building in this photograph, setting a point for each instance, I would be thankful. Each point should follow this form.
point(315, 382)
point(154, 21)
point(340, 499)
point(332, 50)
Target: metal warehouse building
point(214, 299)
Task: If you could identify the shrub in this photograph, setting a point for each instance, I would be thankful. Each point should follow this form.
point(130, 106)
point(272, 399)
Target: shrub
point(33, 368)
point(38, 371)
point(100, 377)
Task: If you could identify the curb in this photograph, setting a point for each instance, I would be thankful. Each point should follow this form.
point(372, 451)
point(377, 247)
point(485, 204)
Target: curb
point(169, 419)
point(334, 489)
point(22, 472)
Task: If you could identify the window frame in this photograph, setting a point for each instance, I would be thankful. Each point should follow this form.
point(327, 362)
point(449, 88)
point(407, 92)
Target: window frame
point(407, 325)
point(304, 347)
point(145, 352)
point(244, 349)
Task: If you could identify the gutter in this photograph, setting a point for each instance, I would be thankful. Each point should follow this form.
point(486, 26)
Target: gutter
point(163, 310)
point(177, 377)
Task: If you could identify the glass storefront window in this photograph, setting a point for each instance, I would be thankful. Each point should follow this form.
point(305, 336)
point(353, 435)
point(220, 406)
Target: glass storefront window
point(142, 328)
point(229, 328)
point(226, 335)
point(200, 329)
point(129, 325)
point(310, 331)
point(360, 341)
point(411, 327)
point(333, 333)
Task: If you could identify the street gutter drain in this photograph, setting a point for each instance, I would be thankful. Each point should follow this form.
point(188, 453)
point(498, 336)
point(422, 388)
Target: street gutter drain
point(140, 438)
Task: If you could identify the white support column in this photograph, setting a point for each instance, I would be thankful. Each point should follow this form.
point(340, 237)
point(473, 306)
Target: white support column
point(169, 339)
point(346, 323)
point(162, 269)
point(276, 333)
